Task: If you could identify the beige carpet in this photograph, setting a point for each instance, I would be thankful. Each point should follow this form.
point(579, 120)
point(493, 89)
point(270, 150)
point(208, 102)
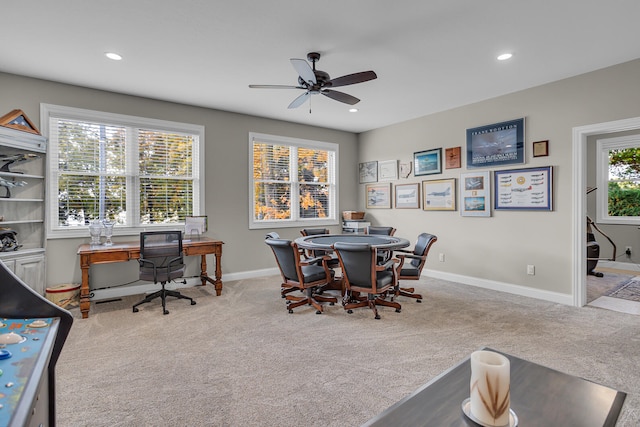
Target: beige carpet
point(241, 360)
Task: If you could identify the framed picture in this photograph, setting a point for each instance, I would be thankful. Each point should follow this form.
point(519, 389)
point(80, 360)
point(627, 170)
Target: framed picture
point(368, 172)
point(452, 158)
point(475, 194)
point(378, 196)
point(427, 162)
point(405, 169)
point(524, 189)
point(195, 225)
point(439, 195)
point(496, 145)
point(387, 170)
point(408, 196)
point(541, 148)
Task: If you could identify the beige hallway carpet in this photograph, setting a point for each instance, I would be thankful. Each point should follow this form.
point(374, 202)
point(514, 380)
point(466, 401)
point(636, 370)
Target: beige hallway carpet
point(241, 360)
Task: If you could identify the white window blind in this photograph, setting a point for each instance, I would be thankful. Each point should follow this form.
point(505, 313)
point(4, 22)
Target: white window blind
point(293, 182)
point(137, 172)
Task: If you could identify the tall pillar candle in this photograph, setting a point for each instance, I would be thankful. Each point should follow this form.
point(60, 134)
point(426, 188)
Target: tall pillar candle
point(490, 382)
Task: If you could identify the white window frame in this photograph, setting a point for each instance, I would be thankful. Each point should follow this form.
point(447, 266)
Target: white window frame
point(48, 111)
point(603, 146)
point(295, 221)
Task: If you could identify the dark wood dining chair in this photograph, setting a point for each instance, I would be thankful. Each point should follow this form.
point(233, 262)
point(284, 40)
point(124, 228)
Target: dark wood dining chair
point(298, 273)
point(383, 255)
point(412, 262)
point(363, 274)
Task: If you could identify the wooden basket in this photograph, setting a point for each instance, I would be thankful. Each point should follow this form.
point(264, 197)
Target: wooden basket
point(351, 215)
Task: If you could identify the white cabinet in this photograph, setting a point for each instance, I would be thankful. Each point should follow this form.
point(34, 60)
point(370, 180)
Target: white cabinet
point(22, 191)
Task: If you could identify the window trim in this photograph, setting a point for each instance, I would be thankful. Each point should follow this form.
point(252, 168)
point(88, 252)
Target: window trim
point(48, 111)
point(332, 219)
point(602, 178)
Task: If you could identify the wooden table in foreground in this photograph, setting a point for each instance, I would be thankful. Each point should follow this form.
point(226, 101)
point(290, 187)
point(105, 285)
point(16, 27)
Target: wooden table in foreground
point(127, 251)
point(540, 397)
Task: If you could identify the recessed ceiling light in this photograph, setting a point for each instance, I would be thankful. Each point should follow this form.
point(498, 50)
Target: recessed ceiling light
point(112, 55)
point(353, 110)
point(504, 56)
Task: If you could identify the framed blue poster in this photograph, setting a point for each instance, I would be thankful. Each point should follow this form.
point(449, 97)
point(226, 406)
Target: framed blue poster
point(496, 145)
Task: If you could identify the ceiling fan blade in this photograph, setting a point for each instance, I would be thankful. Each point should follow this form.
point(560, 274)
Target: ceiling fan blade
point(274, 87)
point(340, 96)
point(299, 100)
point(351, 79)
point(304, 70)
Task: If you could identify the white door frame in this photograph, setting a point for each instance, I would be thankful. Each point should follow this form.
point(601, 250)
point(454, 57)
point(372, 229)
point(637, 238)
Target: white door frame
point(579, 206)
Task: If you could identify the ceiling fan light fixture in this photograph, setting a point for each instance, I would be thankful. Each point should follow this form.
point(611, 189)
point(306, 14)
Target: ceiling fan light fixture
point(114, 56)
point(505, 56)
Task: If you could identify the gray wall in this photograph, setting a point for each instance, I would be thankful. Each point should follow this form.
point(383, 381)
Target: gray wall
point(497, 250)
point(226, 174)
point(485, 251)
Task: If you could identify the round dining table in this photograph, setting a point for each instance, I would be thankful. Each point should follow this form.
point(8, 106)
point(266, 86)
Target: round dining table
point(326, 241)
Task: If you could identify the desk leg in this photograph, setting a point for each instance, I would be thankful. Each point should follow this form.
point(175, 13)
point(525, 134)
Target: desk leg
point(204, 276)
point(85, 302)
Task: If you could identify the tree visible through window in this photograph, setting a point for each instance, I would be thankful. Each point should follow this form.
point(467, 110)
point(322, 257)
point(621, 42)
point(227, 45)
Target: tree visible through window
point(133, 171)
point(293, 181)
point(619, 174)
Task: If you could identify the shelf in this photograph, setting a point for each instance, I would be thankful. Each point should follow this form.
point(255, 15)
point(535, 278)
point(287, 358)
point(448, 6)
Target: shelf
point(20, 175)
point(25, 221)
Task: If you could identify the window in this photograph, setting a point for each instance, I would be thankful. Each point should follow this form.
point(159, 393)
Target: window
point(618, 178)
point(138, 172)
point(292, 182)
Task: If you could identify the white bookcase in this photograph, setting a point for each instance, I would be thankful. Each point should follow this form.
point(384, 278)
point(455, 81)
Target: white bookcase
point(22, 204)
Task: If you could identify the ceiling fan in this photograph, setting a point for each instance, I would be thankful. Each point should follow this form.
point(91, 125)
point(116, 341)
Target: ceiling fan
point(314, 81)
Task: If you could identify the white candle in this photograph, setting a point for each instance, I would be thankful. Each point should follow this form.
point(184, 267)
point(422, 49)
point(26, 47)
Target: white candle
point(490, 381)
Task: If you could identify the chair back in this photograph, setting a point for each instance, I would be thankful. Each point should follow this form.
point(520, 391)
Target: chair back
point(161, 257)
point(272, 235)
point(358, 261)
point(287, 257)
point(385, 231)
point(313, 231)
point(424, 242)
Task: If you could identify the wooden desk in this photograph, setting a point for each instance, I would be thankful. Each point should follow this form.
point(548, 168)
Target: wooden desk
point(127, 251)
point(540, 397)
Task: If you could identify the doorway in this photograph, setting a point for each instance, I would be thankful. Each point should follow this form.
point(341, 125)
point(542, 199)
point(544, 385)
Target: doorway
point(579, 229)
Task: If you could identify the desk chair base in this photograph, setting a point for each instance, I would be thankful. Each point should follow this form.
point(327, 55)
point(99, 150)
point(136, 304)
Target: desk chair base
point(372, 301)
point(310, 299)
point(409, 292)
point(163, 294)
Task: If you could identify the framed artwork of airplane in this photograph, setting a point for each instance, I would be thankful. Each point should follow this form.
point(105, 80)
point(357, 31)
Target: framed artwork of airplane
point(524, 189)
point(439, 195)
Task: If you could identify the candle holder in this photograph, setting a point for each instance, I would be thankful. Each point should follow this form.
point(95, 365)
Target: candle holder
point(95, 230)
point(108, 231)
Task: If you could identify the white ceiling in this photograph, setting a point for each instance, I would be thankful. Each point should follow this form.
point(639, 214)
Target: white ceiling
point(429, 55)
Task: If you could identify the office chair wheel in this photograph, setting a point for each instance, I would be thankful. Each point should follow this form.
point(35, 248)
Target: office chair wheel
point(350, 311)
point(397, 310)
point(290, 311)
point(377, 317)
point(193, 303)
point(165, 312)
point(135, 309)
point(332, 303)
point(318, 312)
point(418, 300)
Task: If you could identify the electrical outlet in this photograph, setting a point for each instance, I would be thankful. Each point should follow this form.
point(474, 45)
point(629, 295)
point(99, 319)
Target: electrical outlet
point(531, 270)
point(441, 257)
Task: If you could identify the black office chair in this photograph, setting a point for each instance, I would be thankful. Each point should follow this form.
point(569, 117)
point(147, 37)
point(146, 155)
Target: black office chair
point(363, 274)
point(383, 255)
point(411, 263)
point(161, 261)
point(301, 274)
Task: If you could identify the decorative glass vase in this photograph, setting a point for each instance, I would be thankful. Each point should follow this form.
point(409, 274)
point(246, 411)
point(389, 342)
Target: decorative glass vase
point(108, 231)
point(95, 230)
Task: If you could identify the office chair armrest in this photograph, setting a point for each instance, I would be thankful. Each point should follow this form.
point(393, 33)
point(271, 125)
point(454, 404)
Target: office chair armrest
point(387, 265)
point(317, 260)
point(176, 260)
point(405, 251)
point(410, 255)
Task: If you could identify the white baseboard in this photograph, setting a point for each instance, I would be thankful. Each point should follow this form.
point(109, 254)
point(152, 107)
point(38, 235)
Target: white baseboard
point(502, 287)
